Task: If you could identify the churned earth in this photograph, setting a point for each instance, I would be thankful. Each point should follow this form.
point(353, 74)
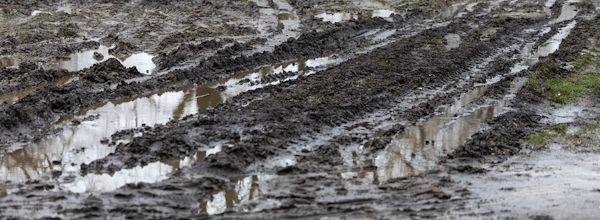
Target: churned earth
point(281, 109)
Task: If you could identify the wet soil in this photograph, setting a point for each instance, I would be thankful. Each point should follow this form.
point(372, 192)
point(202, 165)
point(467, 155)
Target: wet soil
point(287, 109)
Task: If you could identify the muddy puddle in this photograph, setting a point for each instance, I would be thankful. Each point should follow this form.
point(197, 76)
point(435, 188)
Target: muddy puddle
point(66, 8)
point(453, 41)
point(9, 62)
point(568, 12)
point(15, 96)
point(530, 55)
point(418, 148)
point(79, 136)
point(346, 16)
point(246, 189)
point(78, 61)
point(553, 43)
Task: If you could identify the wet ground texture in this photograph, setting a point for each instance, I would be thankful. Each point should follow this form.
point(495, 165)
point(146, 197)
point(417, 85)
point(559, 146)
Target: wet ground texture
point(275, 109)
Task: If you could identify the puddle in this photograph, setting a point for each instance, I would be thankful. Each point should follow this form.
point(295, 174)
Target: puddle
point(530, 56)
point(80, 142)
point(37, 12)
point(568, 12)
point(549, 3)
point(78, 61)
point(337, 17)
point(418, 148)
point(470, 7)
point(9, 62)
point(246, 189)
point(450, 11)
point(453, 41)
point(382, 13)
point(66, 8)
point(346, 16)
point(15, 96)
point(150, 173)
point(553, 43)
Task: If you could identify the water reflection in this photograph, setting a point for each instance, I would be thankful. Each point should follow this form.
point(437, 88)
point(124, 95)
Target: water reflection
point(568, 12)
point(553, 43)
point(453, 41)
point(530, 56)
point(80, 142)
point(346, 16)
point(246, 189)
point(418, 148)
point(15, 96)
point(9, 62)
point(150, 173)
point(78, 61)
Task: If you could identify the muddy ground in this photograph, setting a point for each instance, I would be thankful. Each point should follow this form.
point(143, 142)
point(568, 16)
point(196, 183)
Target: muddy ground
point(274, 109)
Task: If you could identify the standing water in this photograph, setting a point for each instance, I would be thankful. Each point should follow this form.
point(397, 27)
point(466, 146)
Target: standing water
point(78, 137)
point(78, 61)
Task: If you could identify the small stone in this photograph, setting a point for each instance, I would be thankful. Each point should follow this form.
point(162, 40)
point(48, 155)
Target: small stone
point(104, 141)
point(98, 56)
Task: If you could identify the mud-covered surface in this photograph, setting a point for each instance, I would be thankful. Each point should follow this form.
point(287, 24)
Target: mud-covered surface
point(291, 109)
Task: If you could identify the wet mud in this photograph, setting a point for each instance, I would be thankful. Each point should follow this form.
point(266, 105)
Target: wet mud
point(290, 109)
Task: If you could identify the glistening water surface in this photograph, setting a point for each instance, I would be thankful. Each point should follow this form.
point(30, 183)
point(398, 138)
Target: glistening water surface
point(15, 96)
point(78, 61)
point(345, 16)
point(79, 136)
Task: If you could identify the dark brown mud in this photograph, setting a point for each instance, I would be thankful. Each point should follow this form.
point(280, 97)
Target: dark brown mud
point(364, 134)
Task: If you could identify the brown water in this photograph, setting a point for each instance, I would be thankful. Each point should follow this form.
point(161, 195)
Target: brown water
point(9, 62)
point(246, 189)
point(80, 143)
point(15, 96)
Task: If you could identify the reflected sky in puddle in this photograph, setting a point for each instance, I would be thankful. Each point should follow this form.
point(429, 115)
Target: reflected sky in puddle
point(453, 41)
point(66, 8)
point(418, 148)
point(80, 143)
point(568, 12)
point(9, 62)
point(246, 189)
point(345, 16)
point(78, 61)
point(553, 43)
point(15, 96)
point(530, 56)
